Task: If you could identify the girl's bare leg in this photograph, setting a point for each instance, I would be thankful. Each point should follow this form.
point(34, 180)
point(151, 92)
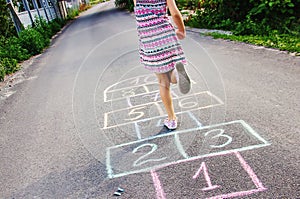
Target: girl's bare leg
point(172, 77)
point(165, 94)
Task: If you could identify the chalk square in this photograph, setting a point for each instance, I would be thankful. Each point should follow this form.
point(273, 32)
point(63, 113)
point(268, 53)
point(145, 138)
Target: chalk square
point(220, 138)
point(179, 145)
point(130, 115)
point(141, 156)
point(155, 126)
point(220, 176)
point(130, 92)
point(121, 89)
point(155, 109)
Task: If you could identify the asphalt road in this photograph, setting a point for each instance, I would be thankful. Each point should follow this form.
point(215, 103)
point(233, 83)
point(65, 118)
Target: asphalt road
point(84, 118)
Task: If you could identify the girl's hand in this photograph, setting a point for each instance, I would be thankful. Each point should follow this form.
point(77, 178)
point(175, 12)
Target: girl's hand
point(180, 34)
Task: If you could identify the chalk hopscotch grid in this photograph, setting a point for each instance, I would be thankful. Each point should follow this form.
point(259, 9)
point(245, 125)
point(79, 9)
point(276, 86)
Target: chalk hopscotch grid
point(107, 90)
point(142, 85)
point(160, 124)
point(106, 115)
point(243, 123)
point(160, 194)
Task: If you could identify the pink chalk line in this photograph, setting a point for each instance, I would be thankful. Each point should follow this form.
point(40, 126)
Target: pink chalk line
point(250, 172)
point(206, 176)
point(159, 190)
point(161, 195)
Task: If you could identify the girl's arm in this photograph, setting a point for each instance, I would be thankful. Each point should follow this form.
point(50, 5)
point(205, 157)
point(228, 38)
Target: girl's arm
point(177, 18)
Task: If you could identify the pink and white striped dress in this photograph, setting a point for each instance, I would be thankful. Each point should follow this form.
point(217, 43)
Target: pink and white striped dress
point(159, 45)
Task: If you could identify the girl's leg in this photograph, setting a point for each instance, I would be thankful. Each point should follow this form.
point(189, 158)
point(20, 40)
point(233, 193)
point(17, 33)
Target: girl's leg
point(165, 94)
point(172, 76)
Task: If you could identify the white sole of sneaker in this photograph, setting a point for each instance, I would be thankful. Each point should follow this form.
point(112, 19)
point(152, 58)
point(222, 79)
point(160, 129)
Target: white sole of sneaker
point(184, 82)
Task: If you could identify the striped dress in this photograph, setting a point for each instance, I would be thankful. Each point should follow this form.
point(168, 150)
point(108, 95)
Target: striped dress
point(159, 47)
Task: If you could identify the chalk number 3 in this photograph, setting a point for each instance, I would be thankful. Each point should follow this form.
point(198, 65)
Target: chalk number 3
point(220, 135)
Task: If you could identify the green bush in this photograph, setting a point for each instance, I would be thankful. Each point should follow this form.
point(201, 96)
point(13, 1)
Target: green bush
point(44, 28)
point(55, 26)
point(2, 72)
point(125, 4)
point(257, 17)
point(7, 66)
point(273, 40)
point(11, 48)
point(10, 65)
point(7, 28)
point(94, 2)
point(271, 23)
point(187, 4)
point(278, 14)
point(32, 40)
point(72, 13)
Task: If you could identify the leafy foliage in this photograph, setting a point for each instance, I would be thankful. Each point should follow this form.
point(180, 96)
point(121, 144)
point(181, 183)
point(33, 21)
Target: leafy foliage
point(7, 26)
point(280, 41)
point(187, 4)
point(72, 13)
point(9, 65)
point(125, 4)
point(258, 17)
point(272, 23)
point(12, 48)
point(2, 72)
point(30, 41)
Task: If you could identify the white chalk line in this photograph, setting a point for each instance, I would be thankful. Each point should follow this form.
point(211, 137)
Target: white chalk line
point(108, 165)
point(199, 124)
point(251, 130)
point(242, 122)
point(137, 130)
point(160, 110)
point(151, 103)
point(156, 167)
point(107, 90)
point(180, 147)
point(126, 80)
point(156, 117)
point(157, 91)
point(181, 150)
point(129, 102)
point(144, 86)
point(216, 98)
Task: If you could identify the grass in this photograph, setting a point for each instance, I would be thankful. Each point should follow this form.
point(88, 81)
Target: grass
point(94, 2)
point(290, 43)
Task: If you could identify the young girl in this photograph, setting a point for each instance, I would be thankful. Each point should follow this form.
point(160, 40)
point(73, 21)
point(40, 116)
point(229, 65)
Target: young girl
point(160, 51)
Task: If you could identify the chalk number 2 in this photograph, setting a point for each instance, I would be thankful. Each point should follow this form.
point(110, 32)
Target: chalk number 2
point(141, 160)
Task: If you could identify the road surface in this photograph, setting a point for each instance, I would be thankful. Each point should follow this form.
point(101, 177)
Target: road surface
point(85, 117)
